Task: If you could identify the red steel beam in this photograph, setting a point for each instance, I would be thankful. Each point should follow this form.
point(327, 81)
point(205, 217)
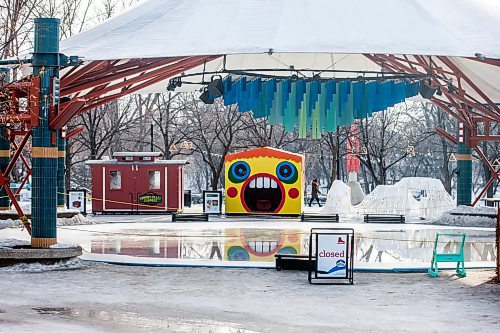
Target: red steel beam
point(453, 67)
point(68, 110)
point(160, 77)
point(446, 135)
point(488, 184)
point(16, 154)
point(74, 132)
point(72, 77)
point(113, 77)
point(184, 64)
point(485, 160)
point(19, 211)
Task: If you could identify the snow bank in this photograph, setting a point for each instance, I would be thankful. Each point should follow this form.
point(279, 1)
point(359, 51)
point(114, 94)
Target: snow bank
point(11, 242)
point(75, 220)
point(9, 223)
point(469, 217)
point(338, 200)
point(70, 264)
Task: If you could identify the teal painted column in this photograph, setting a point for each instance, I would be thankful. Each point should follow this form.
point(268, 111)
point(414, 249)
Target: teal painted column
point(44, 141)
point(61, 170)
point(464, 166)
point(4, 148)
point(4, 162)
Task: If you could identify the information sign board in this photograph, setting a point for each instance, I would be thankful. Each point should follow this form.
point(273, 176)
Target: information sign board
point(77, 200)
point(212, 202)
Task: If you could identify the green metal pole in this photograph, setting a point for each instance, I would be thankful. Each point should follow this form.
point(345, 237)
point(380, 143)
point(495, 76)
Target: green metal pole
point(464, 166)
point(44, 141)
point(61, 170)
point(4, 149)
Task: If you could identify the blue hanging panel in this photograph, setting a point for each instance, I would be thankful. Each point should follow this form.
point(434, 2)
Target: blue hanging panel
point(228, 94)
point(344, 112)
point(242, 95)
point(357, 89)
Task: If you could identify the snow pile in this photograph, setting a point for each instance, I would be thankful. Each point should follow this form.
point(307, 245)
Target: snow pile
point(75, 220)
point(11, 242)
point(70, 264)
point(434, 200)
point(338, 200)
point(465, 216)
point(9, 223)
point(389, 199)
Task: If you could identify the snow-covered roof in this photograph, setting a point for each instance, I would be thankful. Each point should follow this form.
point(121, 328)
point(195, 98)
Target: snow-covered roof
point(162, 162)
point(137, 154)
point(164, 28)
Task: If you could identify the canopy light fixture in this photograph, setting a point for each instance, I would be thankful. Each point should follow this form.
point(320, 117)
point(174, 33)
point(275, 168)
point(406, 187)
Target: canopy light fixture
point(215, 87)
point(206, 97)
point(427, 90)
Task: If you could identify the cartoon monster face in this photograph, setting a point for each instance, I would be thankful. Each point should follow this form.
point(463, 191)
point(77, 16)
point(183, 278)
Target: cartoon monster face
point(260, 244)
point(267, 183)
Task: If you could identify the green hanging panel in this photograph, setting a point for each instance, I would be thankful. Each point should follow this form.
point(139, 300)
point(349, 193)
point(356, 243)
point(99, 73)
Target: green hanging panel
point(332, 110)
point(322, 108)
point(275, 116)
point(291, 109)
point(303, 116)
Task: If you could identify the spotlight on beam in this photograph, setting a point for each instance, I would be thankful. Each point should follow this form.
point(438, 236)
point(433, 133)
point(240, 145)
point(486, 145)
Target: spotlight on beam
point(451, 88)
point(426, 90)
point(206, 97)
point(174, 83)
point(216, 87)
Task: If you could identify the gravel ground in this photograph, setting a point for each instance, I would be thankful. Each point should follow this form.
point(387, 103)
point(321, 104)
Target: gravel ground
point(91, 297)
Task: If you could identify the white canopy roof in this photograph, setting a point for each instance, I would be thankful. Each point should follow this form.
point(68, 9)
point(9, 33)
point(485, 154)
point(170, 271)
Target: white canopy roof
point(163, 28)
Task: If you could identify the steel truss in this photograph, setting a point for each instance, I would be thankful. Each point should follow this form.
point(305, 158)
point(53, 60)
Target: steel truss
point(95, 83)
point(458, 96)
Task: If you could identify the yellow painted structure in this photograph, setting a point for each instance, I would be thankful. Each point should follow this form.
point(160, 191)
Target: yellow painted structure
point(264, 181)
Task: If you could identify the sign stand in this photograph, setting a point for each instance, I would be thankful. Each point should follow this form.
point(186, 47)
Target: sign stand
point(448, 257)
point(77, 199)
point(212, 202)
point(331, 256)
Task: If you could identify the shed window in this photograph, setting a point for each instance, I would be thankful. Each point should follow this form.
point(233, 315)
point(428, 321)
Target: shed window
point(115, 180)
point(154, 180)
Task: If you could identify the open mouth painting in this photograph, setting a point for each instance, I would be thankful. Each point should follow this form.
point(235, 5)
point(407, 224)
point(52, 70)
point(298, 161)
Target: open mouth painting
point(264, 181)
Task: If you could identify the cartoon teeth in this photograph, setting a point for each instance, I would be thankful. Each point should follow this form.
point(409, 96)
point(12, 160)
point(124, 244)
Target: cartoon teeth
point(263, 246)
point(263, 182)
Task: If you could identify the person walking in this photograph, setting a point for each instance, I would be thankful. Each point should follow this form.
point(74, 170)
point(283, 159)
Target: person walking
point(314, 192)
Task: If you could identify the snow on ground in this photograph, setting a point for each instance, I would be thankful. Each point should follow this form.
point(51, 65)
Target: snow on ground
point(468, 217)
point(11, 242)
point(75, 220)
point(111, 298)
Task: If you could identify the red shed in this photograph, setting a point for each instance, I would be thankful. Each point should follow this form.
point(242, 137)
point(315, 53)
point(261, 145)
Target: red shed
point(137, 183)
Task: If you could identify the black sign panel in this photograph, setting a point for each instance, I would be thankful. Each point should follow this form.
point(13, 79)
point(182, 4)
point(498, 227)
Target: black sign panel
point(150, 198)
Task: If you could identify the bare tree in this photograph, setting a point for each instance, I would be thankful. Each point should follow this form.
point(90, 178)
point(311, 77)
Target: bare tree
point(213, 130)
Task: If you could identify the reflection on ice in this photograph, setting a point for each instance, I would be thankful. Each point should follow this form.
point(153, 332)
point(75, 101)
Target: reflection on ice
point(259, 245)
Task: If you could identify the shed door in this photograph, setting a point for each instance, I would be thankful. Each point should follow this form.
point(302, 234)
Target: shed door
point(150, 187)
point(118, 185)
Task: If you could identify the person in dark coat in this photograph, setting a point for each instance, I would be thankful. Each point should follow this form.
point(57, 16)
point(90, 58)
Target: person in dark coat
point(314, 192)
